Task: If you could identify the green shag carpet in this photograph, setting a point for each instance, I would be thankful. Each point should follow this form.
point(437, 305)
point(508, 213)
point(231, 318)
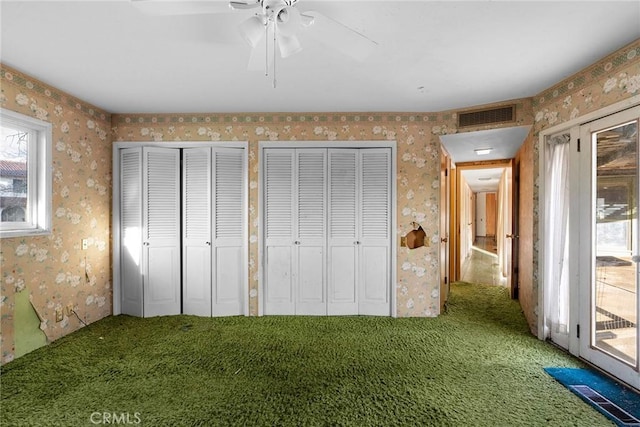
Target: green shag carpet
point(476, 365)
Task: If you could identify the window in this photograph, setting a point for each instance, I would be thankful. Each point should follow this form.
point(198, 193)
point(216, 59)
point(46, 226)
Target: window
point(25, 175)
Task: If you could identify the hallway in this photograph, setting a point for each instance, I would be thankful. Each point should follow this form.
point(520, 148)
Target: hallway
point(482, 267)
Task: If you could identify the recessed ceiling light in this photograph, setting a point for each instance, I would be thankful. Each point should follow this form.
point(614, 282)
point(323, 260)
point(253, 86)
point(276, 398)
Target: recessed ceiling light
point(483, 151)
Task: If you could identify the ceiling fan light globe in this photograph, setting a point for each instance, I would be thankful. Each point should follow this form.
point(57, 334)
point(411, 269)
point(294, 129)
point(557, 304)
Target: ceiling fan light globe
point(252, 30)
point(289, 45)
point(288, 20)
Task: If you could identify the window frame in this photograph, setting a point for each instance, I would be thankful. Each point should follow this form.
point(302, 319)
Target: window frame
point(39, 176)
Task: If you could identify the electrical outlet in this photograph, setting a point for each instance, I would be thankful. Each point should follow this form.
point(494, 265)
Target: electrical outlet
point(85, 244)
point(403, 241)
point(69, 310)
point(59, 314)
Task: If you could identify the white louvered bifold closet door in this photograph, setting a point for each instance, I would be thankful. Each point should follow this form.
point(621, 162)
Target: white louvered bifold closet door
point(197, 233)
point(375, 232)
point(279, 178)
point(229, 263)
point(310, 237)
point(328, 225)
point(162, 236)
point(131, 231)
point(343, 225)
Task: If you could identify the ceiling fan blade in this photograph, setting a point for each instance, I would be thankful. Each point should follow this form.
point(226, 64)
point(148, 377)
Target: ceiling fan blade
point(340, 37)
point(248, 4)
point(177, 7)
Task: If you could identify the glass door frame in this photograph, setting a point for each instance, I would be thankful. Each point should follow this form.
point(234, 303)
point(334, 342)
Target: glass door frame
point(587, 290)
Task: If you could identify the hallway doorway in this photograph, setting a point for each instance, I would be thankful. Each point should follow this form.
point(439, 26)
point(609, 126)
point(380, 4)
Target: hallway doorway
point(478, 152)
point(484, 218)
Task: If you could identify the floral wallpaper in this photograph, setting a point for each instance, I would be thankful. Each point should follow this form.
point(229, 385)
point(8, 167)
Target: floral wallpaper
point(418, 175)
point(610, 80)
point(53, 269)
point(56, 272)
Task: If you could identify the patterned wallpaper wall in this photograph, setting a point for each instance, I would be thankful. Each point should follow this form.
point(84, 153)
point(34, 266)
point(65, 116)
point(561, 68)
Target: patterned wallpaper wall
point(53, 269)
point(610, 80)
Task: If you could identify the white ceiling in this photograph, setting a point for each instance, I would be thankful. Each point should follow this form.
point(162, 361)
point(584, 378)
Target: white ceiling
point(483, 180)
point(431, 56)
point(504, 144)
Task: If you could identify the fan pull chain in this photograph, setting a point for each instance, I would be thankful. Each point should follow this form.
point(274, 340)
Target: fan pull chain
point(274, 54)
point(266, 49)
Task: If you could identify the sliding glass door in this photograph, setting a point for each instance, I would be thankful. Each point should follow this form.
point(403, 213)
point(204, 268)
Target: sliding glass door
point(609, 301)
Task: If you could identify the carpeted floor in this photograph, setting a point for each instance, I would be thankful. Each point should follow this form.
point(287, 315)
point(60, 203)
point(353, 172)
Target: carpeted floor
point(476, 365)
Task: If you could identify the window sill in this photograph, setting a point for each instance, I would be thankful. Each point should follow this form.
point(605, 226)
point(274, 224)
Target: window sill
point(8, 234)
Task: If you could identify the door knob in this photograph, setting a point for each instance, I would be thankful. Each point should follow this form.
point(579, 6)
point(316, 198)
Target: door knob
point(356, 243)
point(444, 240)
point(207, 243)
point(296, 242)
point(511, 236)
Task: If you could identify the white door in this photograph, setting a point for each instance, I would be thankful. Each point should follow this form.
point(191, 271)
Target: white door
point(359, 240)
point(610, 252)
point(279, 181)
point(310, 237)
point(295, 187)
point(161, 231)
point(197, 224)
point(229, 262)
point(343, 228)
point(328, 222)
point(374, 241)
point(131, 231)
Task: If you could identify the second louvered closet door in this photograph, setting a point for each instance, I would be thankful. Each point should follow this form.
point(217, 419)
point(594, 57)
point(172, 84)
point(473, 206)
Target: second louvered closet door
point(374, 232)
point(161, 219)
point(328, 225)
point(309, 244)
point(295, 231)
point(343, 222)
point(359, 231)
point(213, 202)
point(228, 245)
point(196, 211)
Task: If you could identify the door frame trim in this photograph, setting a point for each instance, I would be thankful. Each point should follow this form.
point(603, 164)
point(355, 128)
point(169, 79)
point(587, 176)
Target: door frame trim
point(115, 208)
point(456, 215)
point(589, 349)
point(262, 145)
point(542, 136)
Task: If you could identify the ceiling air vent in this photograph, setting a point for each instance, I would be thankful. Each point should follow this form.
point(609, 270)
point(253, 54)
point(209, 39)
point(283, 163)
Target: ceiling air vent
point(486, 117)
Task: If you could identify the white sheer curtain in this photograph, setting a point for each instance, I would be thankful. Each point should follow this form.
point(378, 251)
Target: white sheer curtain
point(556, 292)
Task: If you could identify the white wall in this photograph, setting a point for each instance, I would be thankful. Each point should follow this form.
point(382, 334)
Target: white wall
point(467, 220)
point(481, 214)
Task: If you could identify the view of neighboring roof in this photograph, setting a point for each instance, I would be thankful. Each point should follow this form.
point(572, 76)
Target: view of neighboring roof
point(11, 168)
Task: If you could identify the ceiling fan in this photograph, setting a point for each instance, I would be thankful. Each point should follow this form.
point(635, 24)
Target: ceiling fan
point(275, 26)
